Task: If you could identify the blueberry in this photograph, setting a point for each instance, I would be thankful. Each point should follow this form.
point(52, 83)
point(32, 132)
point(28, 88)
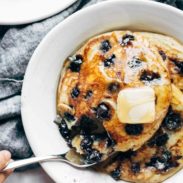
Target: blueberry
point(102, 111)
point(134, 129)
point(88, 125)
point(147, 75)
point(69, 117)
point(75, 63)
point(93, 156)
point(135, 167)
point(109, 61)
point(171, 164)
point(88, 94)
point(157, 162)
point(127, 40)
point(163, 163)
point(116, 174)
point(122, 156)
point(88, 151)
point(105, 46)
point(162, 139)
point(100, 136)
point(172, 120)
point(75, 92)
point(163, 55)
point(171, 161)
point(75, 130)
point(134, 63)
point(64, 131)
point(159, 140)
point(166, 155)
point(86, 143)
point(126, 155)
point(114, 87)
point(179, 65)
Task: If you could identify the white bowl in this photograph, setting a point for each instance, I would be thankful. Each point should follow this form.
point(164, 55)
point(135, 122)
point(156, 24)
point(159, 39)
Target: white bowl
point(42, 76)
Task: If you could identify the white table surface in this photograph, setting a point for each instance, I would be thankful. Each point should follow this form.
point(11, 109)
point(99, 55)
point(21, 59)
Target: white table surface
point(36, 175)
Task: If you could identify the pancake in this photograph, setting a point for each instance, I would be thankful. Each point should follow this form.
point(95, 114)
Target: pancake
point(162, 156)
point(173, 51)
point(89, 86)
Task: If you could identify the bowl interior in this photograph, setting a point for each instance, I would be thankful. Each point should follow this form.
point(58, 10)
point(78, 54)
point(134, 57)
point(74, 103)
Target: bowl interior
point(42, 76)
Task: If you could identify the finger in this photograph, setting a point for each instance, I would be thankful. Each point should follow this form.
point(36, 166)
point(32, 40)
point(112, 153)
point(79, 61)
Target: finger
point(5, 157)
point(10, 170)
point(4, 175)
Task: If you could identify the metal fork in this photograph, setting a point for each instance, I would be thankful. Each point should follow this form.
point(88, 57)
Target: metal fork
point(70, 157)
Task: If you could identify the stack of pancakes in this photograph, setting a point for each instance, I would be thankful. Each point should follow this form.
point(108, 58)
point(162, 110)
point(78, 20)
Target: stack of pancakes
point(87, 103)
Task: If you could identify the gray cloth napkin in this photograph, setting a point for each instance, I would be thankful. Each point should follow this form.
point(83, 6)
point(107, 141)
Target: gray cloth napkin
point(17, 44)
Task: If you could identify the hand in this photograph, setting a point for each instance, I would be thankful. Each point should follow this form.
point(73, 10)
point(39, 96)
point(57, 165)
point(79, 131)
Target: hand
point(5, 157)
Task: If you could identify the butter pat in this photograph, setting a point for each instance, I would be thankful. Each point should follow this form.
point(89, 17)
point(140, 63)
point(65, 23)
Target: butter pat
point(136, 105)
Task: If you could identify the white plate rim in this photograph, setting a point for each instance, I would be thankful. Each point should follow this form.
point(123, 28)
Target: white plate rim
point(38, 17)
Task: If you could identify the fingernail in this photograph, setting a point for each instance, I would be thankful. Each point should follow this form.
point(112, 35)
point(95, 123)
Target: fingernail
point(6, 154)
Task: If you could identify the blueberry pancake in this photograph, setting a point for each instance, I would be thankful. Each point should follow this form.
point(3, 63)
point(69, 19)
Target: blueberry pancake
point(162, 156)
point(93, 85)
point(172, 53)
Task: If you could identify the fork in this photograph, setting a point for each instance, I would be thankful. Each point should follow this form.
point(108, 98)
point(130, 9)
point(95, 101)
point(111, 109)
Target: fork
point(70, 157)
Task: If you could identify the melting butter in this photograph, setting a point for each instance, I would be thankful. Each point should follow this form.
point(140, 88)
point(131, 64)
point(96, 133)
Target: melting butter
point(136, 105)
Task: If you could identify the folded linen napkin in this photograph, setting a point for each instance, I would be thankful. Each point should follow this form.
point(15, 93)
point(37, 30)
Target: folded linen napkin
point(17, 44)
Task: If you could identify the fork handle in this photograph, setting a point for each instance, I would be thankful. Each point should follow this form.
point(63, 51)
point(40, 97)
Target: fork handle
point(20, 163)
